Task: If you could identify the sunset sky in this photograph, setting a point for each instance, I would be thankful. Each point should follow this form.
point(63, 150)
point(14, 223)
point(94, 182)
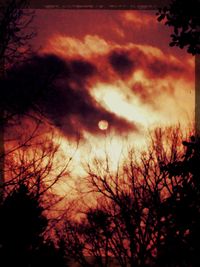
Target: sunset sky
point(122, 78)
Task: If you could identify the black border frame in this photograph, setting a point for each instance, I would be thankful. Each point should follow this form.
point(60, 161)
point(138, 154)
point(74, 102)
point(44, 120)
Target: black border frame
point(114, 5)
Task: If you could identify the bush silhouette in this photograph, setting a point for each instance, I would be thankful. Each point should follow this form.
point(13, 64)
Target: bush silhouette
point(21, 232)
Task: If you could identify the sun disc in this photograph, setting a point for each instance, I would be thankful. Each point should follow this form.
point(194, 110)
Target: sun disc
point(103, 125)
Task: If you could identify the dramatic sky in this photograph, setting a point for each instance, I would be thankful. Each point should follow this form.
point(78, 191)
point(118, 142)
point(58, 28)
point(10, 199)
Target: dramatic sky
point(117, 75)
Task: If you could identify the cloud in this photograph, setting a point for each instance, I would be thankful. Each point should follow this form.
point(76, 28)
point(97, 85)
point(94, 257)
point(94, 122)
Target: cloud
point(139, 19)
point(124, 59)
point(161, 68)
point(25, 82)
point(66, 46)
point(74, 110)
point(142, 92)
point(155, 65)
point(58, 89)
point(144, 75)
point(151, 88)
point(82, 68)
point(121, 62)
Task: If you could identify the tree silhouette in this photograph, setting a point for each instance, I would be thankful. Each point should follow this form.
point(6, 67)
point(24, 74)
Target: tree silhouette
point(138, 216)
point(181, 213)
point(184, 17)
point(28, 199)
point(15, 32)
point(36, 165)
point(21, 216)
point(21, 232)
point(14, 48)
point(28, 80)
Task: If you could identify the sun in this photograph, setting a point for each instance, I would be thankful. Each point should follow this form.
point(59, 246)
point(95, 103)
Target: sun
point(103, 125)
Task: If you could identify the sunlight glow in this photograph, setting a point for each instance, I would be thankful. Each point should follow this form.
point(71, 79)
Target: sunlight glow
point(103, 125)
point(111, 99)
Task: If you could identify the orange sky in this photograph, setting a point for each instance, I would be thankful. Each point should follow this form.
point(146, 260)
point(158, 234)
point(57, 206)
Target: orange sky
point(121, 72)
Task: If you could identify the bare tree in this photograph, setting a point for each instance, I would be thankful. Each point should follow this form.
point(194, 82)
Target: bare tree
point(136, 212)
point(15, 32)
point(35, 163)
point(14, 48)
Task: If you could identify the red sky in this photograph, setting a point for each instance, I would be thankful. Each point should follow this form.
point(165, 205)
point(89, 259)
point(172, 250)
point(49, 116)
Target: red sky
point(130, 53)
point(122, 71)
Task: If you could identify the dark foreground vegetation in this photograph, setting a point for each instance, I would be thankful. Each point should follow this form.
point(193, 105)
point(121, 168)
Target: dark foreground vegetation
point(147, 213)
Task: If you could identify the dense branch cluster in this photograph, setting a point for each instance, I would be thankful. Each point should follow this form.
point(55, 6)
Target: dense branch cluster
point(147, 212)
point(14, 34)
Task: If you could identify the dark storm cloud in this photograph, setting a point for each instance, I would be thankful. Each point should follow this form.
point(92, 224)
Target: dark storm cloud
point(157, 68)
point(154, 66)
point(27, 84)
point(126, 61)
point(76, 111)
point(58, 89)
point(121, 62)
point(82, 68)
